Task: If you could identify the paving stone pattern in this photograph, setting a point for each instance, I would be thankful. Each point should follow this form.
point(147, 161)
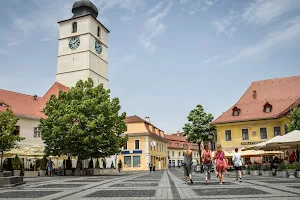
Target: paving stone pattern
point(168, 184)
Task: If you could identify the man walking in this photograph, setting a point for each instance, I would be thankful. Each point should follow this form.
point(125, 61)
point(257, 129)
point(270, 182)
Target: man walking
point(237, 161)
point(150, 167)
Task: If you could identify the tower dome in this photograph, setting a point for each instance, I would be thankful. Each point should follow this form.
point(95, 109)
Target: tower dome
point(84, 7)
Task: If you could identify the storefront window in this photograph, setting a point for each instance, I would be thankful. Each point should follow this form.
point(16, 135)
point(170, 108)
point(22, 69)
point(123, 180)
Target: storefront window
point(127, 161)
point(136, 161)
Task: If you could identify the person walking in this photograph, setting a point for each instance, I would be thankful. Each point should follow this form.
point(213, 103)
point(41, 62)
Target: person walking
point(207, 163)
point(50, 165)
point(120, 164)
point(237, 162)
point(221, 163)
point(187, 164)
point(150, 167)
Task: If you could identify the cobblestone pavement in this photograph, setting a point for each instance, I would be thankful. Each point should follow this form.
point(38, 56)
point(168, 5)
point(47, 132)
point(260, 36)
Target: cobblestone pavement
point(167, 184)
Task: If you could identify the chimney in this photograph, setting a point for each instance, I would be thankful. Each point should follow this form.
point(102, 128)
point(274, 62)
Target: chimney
point(147, 119)
point(254, 94)
point(178, 133)
point(34, 97)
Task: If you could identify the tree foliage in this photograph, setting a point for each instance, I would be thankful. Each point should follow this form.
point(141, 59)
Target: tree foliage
point(83, 122)
point(295, 120)
point(8, 140)
point(17, 163)
point(198, 128)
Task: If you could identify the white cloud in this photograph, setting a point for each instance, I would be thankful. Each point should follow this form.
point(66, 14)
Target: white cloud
point(287, 35)
point(155, 9)
point(153, 27)
point(261, 12)
point(123, 61)
point(209, 3)
point(130, 5)
point(210, 60)
point(226, 25)
point(126, 18)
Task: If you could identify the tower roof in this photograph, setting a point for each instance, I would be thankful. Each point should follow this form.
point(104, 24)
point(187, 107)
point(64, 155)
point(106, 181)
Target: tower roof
point(84, 7)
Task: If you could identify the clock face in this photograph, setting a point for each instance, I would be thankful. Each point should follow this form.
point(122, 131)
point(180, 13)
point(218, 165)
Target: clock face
point(74, 43)
point(98, 47)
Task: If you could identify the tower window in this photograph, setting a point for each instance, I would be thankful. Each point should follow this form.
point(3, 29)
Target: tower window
point(74, 27)
point(267, 108)
point(98, 31)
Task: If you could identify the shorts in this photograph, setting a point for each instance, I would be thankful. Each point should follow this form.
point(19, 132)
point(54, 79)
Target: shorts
point(49, 169)
point(238, 168)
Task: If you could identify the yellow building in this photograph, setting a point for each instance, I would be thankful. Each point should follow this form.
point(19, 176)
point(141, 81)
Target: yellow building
point(176, 144)
point(260, 114)
point(146, 144)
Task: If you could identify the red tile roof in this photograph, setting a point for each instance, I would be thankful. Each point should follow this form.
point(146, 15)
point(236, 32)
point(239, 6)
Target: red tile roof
point(281, 93)
point(27, 105)
point(178, 142)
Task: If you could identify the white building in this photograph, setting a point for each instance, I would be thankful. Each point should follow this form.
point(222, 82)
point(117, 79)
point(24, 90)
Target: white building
point(82, 54)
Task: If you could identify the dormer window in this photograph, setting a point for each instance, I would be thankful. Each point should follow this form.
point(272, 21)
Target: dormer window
point(236, 111)
point(3, 105)
point(267, 108)
point(74, 27)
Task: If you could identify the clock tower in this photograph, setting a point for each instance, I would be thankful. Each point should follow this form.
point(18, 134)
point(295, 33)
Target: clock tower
point(82, 48)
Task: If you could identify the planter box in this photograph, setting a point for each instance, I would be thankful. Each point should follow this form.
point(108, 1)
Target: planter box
point(298, 174)
point(42, 172)
point(90, 172)
point(68, 172)
point(267, 173)
point(77, 172)
point(5, 174)
point(83, 172)
point(31, 174)
point(291, 173)
point(17, 172)
point(254, 172)
point(281, 174)
point(11, 181)
point(245, 172)
point(96, 172)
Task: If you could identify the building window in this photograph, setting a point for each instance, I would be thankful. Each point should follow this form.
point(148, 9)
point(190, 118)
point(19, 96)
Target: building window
point(245, 134)
point(150, 147)
point(168, 153)
point(136, 144)
point(74, 27)
point(179, 154)
point(236, 111)
point(173, 153)
point(98, 31)
point(17, 130)
point(125, 146)
point(228, 135)
point(277, 131)
point(267, 108)
point(136, 161)
point(36, 132)
point(127, 161)
point(263, 133)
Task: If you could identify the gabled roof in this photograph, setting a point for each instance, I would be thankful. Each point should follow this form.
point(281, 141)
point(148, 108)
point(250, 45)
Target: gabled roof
point(28, 105)
point(175, 138)
point(281, 93)
point(177, 142)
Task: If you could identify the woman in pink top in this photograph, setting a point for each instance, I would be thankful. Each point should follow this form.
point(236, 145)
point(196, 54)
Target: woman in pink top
point(221, 162)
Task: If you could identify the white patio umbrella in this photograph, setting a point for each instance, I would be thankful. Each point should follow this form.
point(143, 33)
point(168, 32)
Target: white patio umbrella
point(291, 140)
point(262, 145)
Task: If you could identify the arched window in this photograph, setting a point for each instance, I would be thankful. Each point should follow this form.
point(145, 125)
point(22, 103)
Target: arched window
point(74, 27)
point(236, 111)
point(267, 108)
point(98, 31)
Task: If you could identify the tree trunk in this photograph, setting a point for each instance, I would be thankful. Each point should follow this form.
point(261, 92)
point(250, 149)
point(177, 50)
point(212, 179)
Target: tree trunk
point(1, 169)
point(199, 146)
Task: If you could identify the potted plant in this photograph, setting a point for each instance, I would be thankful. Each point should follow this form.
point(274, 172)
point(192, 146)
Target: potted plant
point(291, 169)
point(266, 170)
point(17, 166)
point(281, 173)
point(97, 168)
point(254, 170)
point(245, 170)
point(297, 168)
point(69, 167)
point(43, 165)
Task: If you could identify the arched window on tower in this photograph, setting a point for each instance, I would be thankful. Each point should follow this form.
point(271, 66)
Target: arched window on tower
point(98, 31)
point(74, 27)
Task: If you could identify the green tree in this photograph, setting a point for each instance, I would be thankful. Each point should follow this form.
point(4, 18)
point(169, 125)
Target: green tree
point(8, 140)
point(294, 120)
point(17, 163)
point(83, 122)
point(198, 129)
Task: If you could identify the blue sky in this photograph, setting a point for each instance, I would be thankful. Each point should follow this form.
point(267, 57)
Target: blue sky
point(165, 57)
